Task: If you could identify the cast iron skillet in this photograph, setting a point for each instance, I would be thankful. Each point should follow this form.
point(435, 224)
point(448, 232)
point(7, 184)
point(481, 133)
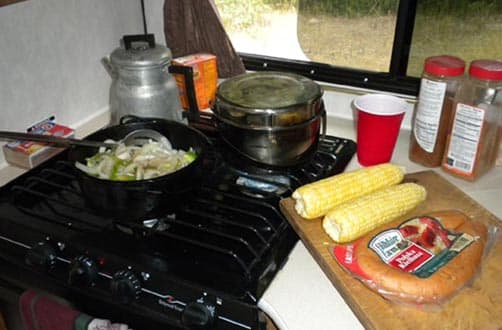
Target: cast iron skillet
point(142, 199)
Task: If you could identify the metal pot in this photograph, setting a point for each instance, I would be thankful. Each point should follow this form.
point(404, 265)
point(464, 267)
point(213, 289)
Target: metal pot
point(272, 118)
point(142, 85)
point(143, 199)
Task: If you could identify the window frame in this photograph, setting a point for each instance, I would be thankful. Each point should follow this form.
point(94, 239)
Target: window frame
point(395, 80)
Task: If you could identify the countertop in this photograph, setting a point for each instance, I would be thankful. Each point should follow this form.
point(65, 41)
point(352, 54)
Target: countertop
point(301, 296)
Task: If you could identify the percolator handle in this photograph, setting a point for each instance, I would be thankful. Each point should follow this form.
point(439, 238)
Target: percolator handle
point(129, 39)
point(192, 112)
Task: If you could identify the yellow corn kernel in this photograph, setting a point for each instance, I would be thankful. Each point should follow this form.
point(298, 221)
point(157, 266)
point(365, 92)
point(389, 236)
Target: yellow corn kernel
point(355, 218)
point(317, 198)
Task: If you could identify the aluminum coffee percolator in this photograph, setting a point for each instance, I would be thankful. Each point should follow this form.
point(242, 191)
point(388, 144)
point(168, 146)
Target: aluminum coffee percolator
point(142, 85)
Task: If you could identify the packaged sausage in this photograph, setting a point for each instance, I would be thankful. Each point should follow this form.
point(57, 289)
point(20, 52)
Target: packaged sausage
point(423, 261)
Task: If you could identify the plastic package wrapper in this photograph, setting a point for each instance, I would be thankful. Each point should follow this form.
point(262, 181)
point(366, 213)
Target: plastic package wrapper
point(28, 154)
point(423, 261)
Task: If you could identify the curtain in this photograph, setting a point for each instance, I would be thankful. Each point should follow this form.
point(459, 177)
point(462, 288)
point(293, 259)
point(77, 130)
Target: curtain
point(194, 26)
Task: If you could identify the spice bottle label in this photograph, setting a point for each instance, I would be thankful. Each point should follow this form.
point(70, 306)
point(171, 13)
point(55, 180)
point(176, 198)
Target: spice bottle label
point(464, 139)
point(430, 104)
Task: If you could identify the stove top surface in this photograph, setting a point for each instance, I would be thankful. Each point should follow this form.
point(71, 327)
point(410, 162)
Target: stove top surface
point(219, 248)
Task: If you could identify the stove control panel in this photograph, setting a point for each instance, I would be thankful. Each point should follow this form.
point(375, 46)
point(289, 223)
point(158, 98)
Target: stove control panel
point(94, 274)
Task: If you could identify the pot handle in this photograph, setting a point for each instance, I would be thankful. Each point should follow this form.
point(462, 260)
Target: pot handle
point(192, 113)
point(144, 38)
point(324, 122)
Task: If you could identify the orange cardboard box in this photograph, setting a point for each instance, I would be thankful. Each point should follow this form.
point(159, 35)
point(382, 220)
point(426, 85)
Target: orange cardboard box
point(204, 78)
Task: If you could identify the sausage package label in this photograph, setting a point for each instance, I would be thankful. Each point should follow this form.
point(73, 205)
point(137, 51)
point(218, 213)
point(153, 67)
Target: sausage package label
point(399, 252)
point(420, 246)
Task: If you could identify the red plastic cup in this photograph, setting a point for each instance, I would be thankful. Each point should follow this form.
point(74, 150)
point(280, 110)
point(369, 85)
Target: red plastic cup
point(378, 123)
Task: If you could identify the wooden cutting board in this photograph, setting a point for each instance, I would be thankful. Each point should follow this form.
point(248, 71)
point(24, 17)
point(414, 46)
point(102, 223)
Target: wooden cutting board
point(478, 306)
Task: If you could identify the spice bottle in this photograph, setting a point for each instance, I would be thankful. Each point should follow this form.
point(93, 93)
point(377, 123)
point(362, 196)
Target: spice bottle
point(474, 134)
point(440, 80)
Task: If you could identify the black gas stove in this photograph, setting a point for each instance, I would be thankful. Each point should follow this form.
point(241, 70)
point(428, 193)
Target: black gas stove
point(205, 265)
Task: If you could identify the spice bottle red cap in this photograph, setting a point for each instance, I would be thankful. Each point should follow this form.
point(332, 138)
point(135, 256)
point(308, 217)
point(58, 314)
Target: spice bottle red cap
point(486, 69)
point(444, 65)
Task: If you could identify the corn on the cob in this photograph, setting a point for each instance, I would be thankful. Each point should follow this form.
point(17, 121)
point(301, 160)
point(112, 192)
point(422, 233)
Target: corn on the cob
point(355, 218)
point(316, 199)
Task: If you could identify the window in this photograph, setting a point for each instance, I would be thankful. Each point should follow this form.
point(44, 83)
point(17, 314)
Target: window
point(376, 44)
point(465, 28)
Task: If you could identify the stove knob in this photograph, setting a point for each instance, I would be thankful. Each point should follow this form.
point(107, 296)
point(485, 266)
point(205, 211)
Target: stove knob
point(125, 286)
point(83, 271)
point(41, 255)
point(198, 315)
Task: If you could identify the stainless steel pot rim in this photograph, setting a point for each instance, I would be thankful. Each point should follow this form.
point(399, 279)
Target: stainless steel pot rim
point(270, 118)
point(321, 114)
point(266, 111)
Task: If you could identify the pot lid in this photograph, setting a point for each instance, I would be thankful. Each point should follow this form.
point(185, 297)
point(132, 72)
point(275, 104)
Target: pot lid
point(268, 100)
point(269, 90)
point(140, 53)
